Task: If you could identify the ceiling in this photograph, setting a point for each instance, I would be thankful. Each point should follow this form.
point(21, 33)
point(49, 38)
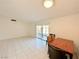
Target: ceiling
point(33, 10)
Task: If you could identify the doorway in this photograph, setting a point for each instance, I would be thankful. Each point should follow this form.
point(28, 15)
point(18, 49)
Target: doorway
point(42, 31)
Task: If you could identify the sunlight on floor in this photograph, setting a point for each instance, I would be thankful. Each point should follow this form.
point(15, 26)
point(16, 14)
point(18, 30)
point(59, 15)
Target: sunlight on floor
point(24, 48)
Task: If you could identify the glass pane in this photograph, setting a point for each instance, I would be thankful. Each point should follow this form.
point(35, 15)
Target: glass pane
point(38, 30)
point(42, 31)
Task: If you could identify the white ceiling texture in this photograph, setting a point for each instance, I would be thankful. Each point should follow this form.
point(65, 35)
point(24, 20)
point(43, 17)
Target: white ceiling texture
point(33, 10)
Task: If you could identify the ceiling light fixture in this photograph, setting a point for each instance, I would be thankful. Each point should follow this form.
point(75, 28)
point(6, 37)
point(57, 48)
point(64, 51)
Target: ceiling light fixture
point(48, 3)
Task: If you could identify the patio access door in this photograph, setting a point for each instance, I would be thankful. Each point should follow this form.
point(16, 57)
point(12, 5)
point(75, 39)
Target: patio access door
point(42, 31)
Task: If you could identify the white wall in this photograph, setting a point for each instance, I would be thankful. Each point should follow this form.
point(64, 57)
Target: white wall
point(32, 30)
point(66, 27)
point(9, 29)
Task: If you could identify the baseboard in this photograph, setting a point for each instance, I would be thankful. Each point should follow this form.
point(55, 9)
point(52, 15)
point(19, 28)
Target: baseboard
point(19, 37)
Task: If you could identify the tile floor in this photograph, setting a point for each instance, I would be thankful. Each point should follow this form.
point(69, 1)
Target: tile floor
point(23, 48)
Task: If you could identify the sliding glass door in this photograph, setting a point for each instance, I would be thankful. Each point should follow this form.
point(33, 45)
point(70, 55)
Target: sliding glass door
point(42, 31)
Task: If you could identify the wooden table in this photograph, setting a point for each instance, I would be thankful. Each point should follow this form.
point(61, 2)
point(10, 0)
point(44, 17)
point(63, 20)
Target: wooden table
point(67, 46)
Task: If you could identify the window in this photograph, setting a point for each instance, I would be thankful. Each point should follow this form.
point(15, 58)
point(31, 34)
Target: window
point(42, 31)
